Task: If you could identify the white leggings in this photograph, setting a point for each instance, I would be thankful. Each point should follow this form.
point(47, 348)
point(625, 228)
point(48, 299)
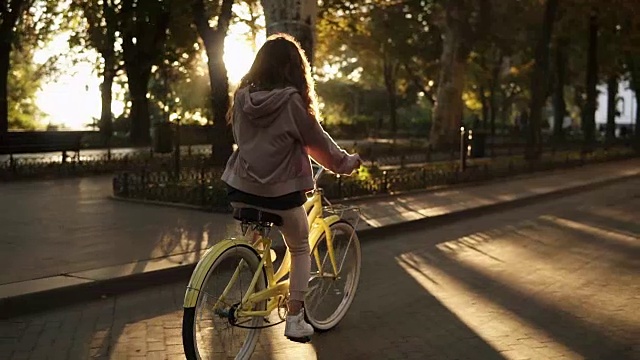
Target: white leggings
point(295, 229)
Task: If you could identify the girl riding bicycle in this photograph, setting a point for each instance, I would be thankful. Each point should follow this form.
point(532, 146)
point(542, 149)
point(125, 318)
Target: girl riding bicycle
point(275, 126)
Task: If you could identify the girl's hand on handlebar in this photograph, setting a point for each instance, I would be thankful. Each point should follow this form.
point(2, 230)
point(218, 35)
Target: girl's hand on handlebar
point(355, 161)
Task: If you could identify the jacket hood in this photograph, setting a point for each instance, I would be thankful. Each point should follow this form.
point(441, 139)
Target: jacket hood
point(263, 107)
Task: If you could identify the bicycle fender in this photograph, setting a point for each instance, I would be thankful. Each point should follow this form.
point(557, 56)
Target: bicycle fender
point(203, 266)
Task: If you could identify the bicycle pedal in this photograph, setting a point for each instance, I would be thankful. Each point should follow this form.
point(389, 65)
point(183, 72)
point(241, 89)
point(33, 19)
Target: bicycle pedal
point(302, 340)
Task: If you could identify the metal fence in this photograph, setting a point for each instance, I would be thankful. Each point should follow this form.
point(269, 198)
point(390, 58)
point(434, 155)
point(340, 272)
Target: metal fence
point(202, 187)
point(52, 165)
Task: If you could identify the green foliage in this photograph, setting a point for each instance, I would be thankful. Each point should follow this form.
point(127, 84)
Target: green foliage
point(178, 86)
point(23, 83)
point(367, 53)
point(38, 23)
point(373, 61)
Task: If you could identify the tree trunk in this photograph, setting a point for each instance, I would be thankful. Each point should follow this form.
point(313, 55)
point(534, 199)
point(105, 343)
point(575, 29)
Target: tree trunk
point(389, 72)
point(493, 102)
point(612, 94)
point(9, 21)
point(635, 86)
point(447, 113)
point(505, 107)
point(144, 31)
point(485, 105)
point(294, 17)
point(417, 82)
point(539, 82)
point(109, 73)
point(138, 79)
point(222, 145)
point(634, 70)
point(106, 92)
point(213, 38)
point(493, 106)
point(459, 35)
point(589, 116)
point(636, 125)
point(5, 51)
point(559, 104)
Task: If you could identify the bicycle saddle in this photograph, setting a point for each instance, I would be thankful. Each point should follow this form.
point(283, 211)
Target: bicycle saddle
point(256, 216)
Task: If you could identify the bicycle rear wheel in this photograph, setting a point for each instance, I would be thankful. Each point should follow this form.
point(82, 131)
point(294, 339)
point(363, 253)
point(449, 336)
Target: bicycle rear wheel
point(211, 329)
point(330, 294)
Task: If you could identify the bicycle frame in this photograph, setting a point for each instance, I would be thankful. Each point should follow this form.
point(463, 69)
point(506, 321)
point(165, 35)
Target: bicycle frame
point(277, 289)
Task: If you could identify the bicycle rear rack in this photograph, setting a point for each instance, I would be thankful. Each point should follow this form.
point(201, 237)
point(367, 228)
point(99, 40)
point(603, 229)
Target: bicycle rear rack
point(349, 213)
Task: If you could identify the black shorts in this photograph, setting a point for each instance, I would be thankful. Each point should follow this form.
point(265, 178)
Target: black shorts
point(284, 202)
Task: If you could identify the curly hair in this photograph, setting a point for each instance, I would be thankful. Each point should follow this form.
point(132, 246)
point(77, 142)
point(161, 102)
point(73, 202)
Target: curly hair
point(279, 63)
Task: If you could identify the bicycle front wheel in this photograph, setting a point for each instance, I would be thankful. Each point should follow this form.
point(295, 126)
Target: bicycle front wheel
point(331, 292)
point(212, 329)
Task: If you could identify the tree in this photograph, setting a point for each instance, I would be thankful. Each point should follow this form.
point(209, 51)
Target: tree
point(465, 21)
point(144, 27)
point(213, 39)
point(24, 24)
point(380, 46)
point(539, 83)
point(399, 32)
point(500, 61)
point(178, 85)
point(589, 115)
point(611, 63)
point(24, 81)
point(372, 44)
point(10, 12)
point(633, 64)
point(98, 30)
point(559, 102)
point(630, 48)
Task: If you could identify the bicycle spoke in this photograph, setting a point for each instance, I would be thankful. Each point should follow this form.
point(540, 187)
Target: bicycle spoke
point(331, 292)
point(346, 252)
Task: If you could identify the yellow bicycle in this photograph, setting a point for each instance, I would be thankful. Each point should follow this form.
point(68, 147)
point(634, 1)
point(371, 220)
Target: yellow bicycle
point(234, 289)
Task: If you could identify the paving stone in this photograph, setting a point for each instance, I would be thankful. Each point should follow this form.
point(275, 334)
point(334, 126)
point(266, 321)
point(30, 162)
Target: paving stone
point(532, 289)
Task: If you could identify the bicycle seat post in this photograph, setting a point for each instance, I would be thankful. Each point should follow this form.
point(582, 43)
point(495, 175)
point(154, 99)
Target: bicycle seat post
point(261, 228)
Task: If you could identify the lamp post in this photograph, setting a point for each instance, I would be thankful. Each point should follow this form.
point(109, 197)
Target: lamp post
point(463, 149)
point(177, 148)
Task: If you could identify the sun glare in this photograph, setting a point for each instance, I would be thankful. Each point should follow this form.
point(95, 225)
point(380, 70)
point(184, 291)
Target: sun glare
point(239, 54)
point(72, 100)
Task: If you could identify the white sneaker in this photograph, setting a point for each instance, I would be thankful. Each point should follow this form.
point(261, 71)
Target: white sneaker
point(297, 329)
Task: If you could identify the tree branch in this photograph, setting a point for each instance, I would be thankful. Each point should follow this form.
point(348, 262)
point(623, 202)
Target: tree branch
point(201, 21)
point(225, 17)
point(418, 83)
point(10, 19)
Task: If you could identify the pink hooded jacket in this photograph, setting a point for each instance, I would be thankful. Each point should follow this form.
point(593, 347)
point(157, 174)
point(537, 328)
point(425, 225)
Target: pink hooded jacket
point(275, 137)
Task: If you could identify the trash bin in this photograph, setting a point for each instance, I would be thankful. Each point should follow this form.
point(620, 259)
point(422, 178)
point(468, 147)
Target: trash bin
point(163, 138)
point(478, 144)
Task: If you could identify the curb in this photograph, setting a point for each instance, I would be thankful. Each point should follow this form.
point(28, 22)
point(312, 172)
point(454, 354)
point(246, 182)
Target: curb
point(100, 289)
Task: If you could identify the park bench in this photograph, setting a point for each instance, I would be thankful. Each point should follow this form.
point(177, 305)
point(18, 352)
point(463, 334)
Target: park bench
point(29, 142)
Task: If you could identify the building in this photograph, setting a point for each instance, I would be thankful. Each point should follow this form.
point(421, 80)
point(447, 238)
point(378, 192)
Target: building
point(626, 105)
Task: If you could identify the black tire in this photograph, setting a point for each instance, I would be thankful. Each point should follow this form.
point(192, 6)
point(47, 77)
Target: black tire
point(224, 263)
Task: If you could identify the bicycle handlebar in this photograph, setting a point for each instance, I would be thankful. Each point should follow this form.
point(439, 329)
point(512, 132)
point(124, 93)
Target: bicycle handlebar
point(319, 172)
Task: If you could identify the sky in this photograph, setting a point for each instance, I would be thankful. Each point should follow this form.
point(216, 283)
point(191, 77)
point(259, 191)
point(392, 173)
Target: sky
point(73, 98)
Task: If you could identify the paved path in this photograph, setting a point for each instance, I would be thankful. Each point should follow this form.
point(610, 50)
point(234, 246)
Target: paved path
point(554, 280)
point(64, 232)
